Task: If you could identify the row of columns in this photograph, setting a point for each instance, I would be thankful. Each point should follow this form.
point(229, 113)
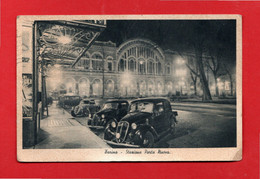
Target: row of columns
point(116, 89)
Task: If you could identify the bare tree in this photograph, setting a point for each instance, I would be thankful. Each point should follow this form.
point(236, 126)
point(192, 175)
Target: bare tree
point(213, 64)
point(195, 41)
point(194, 73)
point(229, 69)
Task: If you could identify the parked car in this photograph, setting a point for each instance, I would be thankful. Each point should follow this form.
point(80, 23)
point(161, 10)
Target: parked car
point(67, 101)
point(147, 121)
point(86, 107)
point(111, 112)
point(49, 100)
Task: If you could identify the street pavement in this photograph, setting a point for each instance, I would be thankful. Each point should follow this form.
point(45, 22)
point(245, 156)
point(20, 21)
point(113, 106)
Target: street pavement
point(203, 127)
point(199, 125)
point(59, 130)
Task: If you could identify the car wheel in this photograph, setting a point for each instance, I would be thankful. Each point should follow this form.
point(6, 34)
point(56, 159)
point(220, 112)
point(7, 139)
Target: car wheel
point(148, 140)
point(109, 130)
point(73, 113)
point(86, 113)
point(89, 122)
point(77, 110)
point(107, 134)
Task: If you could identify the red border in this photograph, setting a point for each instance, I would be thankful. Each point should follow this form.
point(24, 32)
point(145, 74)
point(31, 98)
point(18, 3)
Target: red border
point(248, 167)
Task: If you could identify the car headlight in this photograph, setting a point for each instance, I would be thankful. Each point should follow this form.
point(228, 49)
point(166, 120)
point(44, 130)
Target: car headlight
point(134, 126)
point(113, 124)
point(117, 135)
point(103, 116)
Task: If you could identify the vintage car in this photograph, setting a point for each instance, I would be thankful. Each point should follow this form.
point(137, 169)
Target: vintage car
point(147, 121)
point(86, 107)
point(112, 111)
point(67, 101)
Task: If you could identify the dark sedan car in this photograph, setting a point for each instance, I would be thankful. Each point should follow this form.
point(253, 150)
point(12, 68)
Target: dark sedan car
point(148, 120)
point(86, 107)
point(111, 113)
point(67, 101)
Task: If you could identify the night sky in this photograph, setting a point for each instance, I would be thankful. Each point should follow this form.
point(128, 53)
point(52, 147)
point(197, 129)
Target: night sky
point(177, 35)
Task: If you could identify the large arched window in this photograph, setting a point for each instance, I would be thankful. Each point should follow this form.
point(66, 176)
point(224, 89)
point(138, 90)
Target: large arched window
point(97, 56)
point(97, 65)
point(131, 64)
point(97, 62)
point(150, 67)
point(150, 88)
point(169, 87)
point(160, 88)
point(168, 69)
point(142, 87)
point(121, 65)
point(159, 70)
point(84, 87)
point(97, 87)
point(142, 51)
point(110, 64)
point(70, 85)
point(110, 87)
point(142, 66)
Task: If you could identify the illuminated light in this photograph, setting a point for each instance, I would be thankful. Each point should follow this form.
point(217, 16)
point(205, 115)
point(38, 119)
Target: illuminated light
point(57, 66)
point(54, 76)
point(113, 124)
point(181, 83)
point(134, 126)
point(180, 61)
point(126, 79)
point(220, 85)
point(64, 40)
point(181, 72)
point(117, 135)
point(227, 85)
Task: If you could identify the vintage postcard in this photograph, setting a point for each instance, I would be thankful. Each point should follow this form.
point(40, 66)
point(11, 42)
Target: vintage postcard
point(129, 88)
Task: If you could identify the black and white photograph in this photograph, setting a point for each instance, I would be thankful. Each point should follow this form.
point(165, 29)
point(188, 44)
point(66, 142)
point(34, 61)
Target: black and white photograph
point(129, 88)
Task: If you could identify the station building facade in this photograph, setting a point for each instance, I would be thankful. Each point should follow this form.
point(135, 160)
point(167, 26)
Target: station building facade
point(138, 67)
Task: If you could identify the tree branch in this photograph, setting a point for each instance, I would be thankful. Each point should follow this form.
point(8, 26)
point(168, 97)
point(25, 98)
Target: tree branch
point(192, 70)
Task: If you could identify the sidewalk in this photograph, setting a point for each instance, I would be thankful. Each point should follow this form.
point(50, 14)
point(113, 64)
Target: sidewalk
point(59, 130)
